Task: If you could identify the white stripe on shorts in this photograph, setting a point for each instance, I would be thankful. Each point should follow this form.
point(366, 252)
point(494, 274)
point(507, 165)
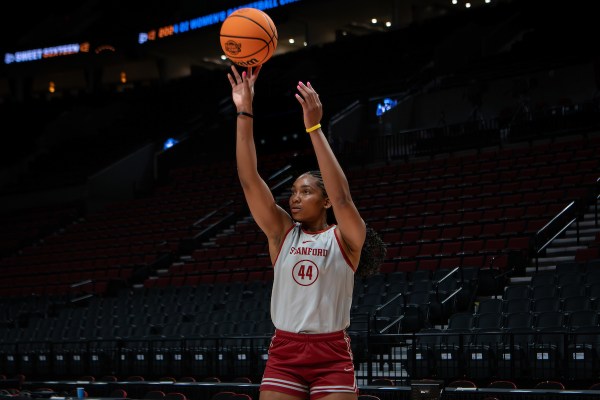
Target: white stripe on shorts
point(285, 384)
point(332, 388)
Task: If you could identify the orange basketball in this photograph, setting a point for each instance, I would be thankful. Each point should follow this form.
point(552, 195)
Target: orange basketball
point(248, 37)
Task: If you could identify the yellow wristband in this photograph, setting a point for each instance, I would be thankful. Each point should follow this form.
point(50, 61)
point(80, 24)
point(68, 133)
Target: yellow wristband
point(313, 128)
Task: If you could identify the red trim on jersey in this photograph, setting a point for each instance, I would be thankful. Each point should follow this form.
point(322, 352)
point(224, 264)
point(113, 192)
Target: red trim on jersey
point(281, 244)
point(337, 239)
point(317, 232)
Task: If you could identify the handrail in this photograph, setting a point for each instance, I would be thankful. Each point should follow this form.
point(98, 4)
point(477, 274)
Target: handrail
point(379, 308)
point(566, 226)
point(214, 343)
point(279, 172)
point(437, 284)
point(81, 298)
point(451, 295)
point(281, 182)
point(213, 212)
point(394, 322)
point(80, 283)
point(386, 304)
point(340, 115)
point(574, 206)
point(447, 275)
point(550, 223)
point(214, 224)
point(541, 234)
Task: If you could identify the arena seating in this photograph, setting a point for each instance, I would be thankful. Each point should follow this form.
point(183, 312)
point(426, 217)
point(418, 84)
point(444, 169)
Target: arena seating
point(176, 281)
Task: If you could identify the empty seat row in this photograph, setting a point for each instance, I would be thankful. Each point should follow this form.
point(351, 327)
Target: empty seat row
point(524, 319)
point(535, 292)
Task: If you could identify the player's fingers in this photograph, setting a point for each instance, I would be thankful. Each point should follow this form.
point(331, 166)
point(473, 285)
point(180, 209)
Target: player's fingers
point(302, 87)
point(303, 90)
point(245, 79)
point(231, 80)
point(236, 74)
point(255, 71)
point(308, 95)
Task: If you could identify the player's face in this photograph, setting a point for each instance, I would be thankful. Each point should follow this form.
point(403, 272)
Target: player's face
point(306, 199)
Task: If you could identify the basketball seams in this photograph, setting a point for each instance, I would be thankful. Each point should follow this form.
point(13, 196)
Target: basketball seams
point(249, 22)
point(270, 34)
point(246, 38)
point(271, 26)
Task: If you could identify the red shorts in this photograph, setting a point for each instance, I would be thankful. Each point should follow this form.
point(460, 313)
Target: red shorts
point(315, 364)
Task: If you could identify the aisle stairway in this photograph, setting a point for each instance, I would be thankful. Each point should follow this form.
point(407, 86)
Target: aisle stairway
point(564, 249)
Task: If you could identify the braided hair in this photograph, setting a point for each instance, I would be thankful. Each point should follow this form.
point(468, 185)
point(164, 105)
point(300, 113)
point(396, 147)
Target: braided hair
point(374, 250)
point(373, 253)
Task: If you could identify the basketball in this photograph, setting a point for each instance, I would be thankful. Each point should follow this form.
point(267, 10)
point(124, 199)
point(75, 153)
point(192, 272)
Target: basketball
point(248, 37)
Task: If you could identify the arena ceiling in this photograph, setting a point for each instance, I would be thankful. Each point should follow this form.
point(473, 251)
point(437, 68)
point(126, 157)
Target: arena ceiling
point(116, 23)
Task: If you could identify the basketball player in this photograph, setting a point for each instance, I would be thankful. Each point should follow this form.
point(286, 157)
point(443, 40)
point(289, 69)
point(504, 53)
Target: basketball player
point(314, 261)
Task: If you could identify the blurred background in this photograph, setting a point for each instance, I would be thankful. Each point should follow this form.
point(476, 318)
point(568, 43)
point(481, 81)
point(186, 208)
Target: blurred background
point(468, 132)
point(118, 75)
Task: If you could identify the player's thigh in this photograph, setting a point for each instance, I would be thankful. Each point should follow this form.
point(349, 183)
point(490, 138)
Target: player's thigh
point(272, 395)
point(339, 396)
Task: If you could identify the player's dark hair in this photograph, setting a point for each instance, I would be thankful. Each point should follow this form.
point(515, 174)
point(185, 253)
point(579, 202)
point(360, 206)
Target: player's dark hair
point(374, 250)
point(373, 253)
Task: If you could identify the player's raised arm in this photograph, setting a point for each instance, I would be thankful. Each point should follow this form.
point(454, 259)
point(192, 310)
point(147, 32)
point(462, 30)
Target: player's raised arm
point(271, 218)
point(350, 224)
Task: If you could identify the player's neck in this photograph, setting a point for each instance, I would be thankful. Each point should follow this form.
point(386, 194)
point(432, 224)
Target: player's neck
point(314, 228)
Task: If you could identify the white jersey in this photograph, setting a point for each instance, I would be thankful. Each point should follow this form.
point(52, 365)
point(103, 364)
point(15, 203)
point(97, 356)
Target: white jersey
point(313, 283)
